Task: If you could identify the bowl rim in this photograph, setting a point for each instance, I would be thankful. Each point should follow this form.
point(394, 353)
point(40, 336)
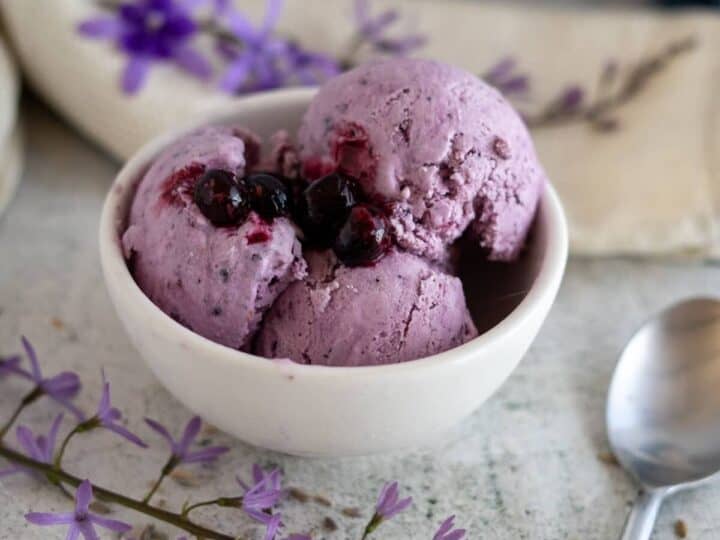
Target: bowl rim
point(114, 266)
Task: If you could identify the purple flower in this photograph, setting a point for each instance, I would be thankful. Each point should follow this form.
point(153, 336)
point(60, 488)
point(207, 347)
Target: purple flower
point(388, 504)
point(81, 521)
point(60, 388)
point(181, 449)
point(387, 507)
point(263, 494)
point(503, 77)
point(108, 417)
point(372, 29)
point(272, 523)
point(40, 448)
point(447, 531)
point(150, 31)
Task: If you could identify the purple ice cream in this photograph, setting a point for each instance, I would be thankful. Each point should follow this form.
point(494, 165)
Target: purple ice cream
point(436, 146)
point(401, 309)
point(217, 281)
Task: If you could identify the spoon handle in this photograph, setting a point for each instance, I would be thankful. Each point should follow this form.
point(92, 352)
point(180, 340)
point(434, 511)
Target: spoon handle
point(640, 522)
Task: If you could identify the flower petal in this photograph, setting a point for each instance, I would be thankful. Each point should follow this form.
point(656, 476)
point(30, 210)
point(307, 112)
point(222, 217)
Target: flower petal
point(45, 518)
point(100, 28)
point(134, 74)
point(191, 431)
point(83, 496)
point(272, 527)
point(27, 441)
point(120, 430)
point(273, 9)
point(205, 455)
point(110, 524)
point(193, 62)
point(87, 530)
point(72, 408)
point(10, 471)
point(158, 428)
point(65, 385)
point(30, 351)
point(52, 435)
point(73, 533)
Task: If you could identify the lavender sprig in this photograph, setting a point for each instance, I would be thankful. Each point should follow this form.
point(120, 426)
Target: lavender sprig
point(372, 29)
point(180, 450)
point(388, 506)
point(258, 498)
point(81, 521)
point(572, 104)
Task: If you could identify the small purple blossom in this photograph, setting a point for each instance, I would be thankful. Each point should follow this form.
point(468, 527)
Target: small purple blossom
point(263, 494)
point(181, 449)
point(503, 77)
point(150, 31)
point(388, 505)
point(447, 531)
point(80, 521)
point(61, 388)
point(372, 29)
point(108, 417)
point(40, 448)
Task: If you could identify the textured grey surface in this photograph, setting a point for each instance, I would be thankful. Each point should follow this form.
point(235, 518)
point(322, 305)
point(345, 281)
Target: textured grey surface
point(523, 466)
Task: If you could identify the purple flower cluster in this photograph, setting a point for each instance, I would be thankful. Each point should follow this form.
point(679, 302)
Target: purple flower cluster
point(256, 57)
point(504, 77)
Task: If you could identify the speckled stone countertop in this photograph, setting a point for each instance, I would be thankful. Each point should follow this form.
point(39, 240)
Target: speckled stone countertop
point(526, 465)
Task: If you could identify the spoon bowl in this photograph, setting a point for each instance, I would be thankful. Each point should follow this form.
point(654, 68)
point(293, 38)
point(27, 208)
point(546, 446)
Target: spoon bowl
point(663, 408)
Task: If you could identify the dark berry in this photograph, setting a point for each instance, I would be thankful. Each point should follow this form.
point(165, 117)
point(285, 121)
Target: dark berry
point(269, 196)
point(324, 207)
point(220, 198)
point(364, 238)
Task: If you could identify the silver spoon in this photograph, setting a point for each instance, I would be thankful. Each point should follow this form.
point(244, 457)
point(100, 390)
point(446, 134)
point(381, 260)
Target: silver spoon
point(663, 408)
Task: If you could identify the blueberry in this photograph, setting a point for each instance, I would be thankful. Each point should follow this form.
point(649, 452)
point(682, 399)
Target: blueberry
point(325, 206)
point(269, 196)
point(221, 198)
point(364, 238)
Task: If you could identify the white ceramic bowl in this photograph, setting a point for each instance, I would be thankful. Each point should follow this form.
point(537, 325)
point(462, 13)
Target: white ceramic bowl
point(316, 410)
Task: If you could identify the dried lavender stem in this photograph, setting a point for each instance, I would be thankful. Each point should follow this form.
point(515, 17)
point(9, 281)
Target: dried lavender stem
point(61, 452)
point(111, 496)
point(220, 501)
point(166, 470)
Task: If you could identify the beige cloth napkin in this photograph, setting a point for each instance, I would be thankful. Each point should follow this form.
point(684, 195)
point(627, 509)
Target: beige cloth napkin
point(652, 186)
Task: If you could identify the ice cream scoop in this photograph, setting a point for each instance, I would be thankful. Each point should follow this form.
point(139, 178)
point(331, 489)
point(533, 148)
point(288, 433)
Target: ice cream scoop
point(399, 309)
point(439, 148)
point(215, 280)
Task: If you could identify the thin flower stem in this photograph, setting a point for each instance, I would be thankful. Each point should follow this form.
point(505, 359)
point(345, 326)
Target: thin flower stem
point(57, 462)
point(373, 524)
point(220, 501)
point(111, 496)
point(166, 470)
point(27, 400)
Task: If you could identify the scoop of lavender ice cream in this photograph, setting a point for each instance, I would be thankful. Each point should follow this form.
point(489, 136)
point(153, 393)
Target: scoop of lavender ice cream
point(401, 309)
point(217, 281)
point(442, 150)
